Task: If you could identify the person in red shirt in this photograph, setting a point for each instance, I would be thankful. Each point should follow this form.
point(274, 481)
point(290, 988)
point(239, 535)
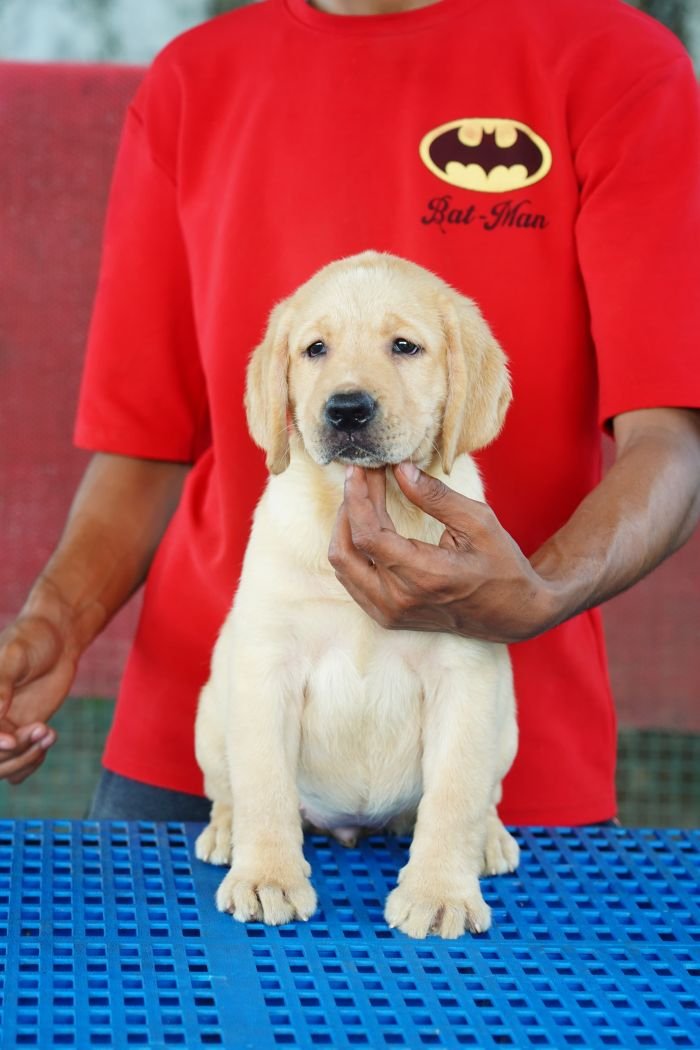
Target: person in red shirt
point(541, 158)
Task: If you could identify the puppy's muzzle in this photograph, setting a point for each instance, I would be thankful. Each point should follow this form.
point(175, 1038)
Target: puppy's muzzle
point(350, 412)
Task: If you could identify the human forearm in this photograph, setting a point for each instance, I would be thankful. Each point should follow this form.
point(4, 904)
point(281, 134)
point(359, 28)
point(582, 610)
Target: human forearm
point(644, 509)
point(117, 519)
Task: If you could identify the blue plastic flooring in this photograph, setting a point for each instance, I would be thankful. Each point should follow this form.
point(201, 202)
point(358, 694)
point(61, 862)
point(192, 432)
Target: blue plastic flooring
point(109, 938)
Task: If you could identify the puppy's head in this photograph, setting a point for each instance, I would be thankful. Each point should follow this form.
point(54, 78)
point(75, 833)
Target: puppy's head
point(373, 361)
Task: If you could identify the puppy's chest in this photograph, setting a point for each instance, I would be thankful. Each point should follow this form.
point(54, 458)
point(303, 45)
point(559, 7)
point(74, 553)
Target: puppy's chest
point(360, 758)
point(360, 675)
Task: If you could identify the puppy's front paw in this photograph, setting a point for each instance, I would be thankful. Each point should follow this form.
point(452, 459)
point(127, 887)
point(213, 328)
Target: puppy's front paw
point(259, 897)
point(501, 852)
point(214, 844)
point(423, 905)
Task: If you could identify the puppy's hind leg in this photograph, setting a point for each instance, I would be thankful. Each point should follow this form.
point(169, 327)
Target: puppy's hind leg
point(215, 843)
point(501, 852)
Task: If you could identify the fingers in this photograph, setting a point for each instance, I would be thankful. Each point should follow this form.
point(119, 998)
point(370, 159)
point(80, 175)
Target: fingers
point(31, 743)
point(371, 530)
point(362, 526)
point(464, 518)
point(28, 765)
point(364, 501)
point(8, 736)
point(346, 558)
point(358, 573)
point(364, 536)
point(375, 481)
point(381, 570)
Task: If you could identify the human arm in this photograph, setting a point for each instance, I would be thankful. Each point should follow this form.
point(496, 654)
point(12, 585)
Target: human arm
point(478, 583)
point(117, 519)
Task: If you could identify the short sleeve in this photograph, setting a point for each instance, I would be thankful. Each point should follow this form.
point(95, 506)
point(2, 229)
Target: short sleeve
point(143, 391)
point(638, 238)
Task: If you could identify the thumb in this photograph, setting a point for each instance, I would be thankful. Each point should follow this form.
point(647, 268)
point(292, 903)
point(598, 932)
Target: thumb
point(454, 510)
point(13, 667)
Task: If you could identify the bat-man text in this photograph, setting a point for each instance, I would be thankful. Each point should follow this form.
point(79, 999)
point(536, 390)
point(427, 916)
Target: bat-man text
point(504, 214)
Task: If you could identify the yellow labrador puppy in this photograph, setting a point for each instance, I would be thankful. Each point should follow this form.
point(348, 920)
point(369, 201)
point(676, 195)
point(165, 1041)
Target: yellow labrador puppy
point(313, 712)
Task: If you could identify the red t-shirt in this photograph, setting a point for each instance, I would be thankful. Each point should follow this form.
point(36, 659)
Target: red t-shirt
point(541, 157)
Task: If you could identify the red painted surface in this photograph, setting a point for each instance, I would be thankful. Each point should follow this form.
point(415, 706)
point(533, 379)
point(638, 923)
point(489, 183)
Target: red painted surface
point(59, 126)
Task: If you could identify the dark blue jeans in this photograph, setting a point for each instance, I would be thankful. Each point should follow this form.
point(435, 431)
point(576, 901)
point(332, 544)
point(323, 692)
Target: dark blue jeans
point(120, 798)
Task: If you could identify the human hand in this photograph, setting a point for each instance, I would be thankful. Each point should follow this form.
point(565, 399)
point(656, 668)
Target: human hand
point(476, 582)
point(118, 517)
point(37, 669)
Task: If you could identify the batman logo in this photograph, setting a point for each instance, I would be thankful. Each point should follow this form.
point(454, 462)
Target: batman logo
point(489, 154)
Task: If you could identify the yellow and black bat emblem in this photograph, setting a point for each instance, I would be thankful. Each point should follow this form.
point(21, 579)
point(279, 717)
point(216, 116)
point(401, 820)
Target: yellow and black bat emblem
point(489, 154)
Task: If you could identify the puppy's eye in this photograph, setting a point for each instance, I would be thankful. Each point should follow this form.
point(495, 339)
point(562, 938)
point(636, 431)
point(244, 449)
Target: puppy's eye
point(316, 349)
point(405, 347)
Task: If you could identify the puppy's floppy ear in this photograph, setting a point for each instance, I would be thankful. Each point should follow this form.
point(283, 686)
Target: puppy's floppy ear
point(266, 394)
point(478, 384)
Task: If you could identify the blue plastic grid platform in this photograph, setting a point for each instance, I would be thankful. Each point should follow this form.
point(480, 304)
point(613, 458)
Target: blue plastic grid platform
point(109, 938)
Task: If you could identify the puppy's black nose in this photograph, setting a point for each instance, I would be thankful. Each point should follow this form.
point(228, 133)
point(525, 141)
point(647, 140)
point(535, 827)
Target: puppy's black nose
point(350, 411)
